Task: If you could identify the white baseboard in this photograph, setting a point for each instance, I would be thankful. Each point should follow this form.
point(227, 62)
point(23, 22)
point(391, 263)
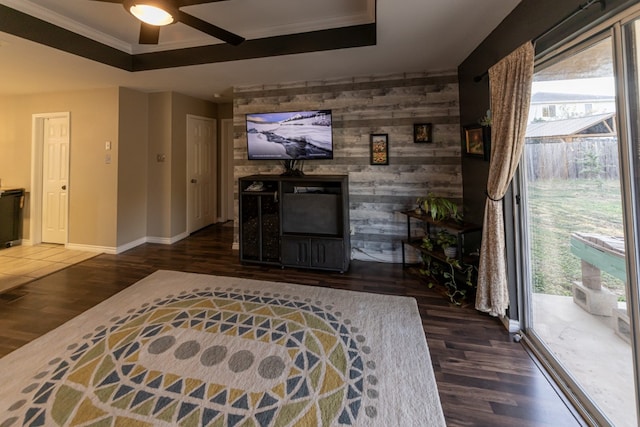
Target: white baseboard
point(131, 245)
point(126, 246)
point(167, 240)
point(511, 325)
point(92, 248)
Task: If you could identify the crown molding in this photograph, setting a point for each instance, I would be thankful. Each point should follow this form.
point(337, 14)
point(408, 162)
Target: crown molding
point(37, 11)
point(47, 15)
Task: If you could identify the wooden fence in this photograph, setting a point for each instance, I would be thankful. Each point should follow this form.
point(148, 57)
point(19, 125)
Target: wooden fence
point(595, 158)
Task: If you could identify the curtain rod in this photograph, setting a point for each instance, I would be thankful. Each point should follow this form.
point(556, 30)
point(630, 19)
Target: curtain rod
point(579, 10)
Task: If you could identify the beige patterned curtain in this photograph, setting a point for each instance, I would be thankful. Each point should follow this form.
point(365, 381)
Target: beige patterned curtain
point(510, 82)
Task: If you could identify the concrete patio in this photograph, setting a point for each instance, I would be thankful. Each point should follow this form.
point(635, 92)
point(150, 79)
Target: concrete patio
point(588, 347)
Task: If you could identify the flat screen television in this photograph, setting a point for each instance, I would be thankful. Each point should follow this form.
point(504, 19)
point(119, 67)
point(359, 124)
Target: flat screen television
point(292, 135)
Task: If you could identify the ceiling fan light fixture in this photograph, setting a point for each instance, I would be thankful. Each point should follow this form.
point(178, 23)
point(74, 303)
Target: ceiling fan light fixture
point(150, 12)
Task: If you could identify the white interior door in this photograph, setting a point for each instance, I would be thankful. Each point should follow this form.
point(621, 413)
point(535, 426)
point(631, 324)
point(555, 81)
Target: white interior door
point(201, 178)
point(55, 180)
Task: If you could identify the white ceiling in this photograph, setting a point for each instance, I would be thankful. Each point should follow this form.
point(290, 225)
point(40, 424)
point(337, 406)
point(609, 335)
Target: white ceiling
point(412, 36)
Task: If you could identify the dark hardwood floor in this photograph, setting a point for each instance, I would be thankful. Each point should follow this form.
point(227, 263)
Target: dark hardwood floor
point(484, 377)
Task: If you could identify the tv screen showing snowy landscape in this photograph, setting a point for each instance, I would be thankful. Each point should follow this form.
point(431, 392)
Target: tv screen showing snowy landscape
point(295, 135)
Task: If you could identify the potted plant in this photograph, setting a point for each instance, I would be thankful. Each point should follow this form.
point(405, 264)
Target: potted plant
point(293, 167)
point(448, 242)
point(486, 120)
point(427, 243)
point(439, 208)
point(457, 279)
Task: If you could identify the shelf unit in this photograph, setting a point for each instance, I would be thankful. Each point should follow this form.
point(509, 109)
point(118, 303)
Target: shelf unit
point(295, 221)
point(260, 223)
point(460, 229)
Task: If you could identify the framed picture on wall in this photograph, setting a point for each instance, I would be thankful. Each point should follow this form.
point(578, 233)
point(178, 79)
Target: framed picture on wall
point(379, 149)
point(422, 132)
point(476, 141)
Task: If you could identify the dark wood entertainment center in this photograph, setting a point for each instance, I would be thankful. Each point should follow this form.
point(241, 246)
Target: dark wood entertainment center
point(295, 221)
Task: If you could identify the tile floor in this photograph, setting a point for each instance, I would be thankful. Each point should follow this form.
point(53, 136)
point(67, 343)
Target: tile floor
point(21, 264)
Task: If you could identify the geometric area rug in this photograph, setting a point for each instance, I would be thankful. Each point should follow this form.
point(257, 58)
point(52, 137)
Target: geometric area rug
point(183, 349)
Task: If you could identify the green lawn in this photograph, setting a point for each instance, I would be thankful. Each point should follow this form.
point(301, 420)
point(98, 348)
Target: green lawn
point(558, 208)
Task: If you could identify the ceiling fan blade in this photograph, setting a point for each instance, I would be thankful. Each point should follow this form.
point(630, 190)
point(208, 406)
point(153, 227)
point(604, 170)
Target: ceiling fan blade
point(109, 1)
point(149, 34)
point(210, 29)
point(182, 3)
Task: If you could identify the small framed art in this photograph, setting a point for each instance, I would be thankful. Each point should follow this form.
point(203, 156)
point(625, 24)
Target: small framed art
point(379, 150)
point(476, 141)
point(422, 132)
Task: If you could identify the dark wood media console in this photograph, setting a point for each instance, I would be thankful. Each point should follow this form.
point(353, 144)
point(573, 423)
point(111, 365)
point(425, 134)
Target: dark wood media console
point(295, 221)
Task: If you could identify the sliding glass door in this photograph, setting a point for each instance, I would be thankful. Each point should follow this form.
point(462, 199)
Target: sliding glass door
point(578, 200)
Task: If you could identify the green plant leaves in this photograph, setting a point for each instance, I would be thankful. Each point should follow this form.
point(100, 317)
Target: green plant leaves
point(439, 208)
point(456, 277)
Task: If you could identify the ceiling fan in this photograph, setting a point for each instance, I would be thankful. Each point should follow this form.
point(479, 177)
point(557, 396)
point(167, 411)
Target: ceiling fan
point(154, 14)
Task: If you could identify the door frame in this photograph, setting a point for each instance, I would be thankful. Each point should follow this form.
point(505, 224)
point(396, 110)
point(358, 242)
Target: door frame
point(213, 167)
point(579, 398)
point(37, 165)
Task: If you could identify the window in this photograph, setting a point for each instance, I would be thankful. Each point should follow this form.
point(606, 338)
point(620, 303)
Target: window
point(549, 111)
point(588, 109)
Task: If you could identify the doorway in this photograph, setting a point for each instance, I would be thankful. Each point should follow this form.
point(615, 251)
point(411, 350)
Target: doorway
point(201, 174)
point(50, 166)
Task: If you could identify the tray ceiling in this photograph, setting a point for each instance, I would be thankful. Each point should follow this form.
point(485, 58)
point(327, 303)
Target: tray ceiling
point(286, 40)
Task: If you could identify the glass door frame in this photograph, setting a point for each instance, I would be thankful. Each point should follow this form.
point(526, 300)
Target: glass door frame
point(628, 100)
point(618, 28)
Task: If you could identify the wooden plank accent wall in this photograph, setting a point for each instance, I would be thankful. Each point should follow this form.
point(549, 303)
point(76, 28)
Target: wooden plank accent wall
point(361, 106)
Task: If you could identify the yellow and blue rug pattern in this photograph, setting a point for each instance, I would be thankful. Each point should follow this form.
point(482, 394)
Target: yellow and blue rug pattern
point(221, 357)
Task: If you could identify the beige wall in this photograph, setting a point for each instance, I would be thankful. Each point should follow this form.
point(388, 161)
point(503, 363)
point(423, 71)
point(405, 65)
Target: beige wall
point(159, 172)
point(129, 199)
point(15, 143)
point(136, 196)
point(181, 105)
point(167, 214)
point(225, 111)
point(92, 183)
point(132, 166)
